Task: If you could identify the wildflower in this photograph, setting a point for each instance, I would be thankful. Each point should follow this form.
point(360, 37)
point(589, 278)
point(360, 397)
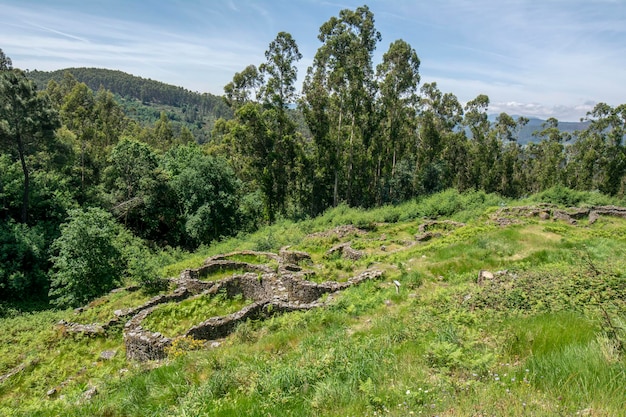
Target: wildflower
point(408, 392)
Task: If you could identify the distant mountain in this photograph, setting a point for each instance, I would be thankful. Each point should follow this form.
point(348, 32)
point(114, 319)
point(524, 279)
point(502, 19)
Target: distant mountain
point(535, 125)
point(144, 99)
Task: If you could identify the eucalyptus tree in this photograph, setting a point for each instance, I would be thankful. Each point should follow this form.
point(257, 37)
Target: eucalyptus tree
point(605, 134)
point(343, 74)
point(263, 132)
point(280, 72)
point(77, 114)
point(398, 80)
point(442, 148)
point(439, 153)
point(547, 158)
point(485, 149)
point(278, 91)
point(5, 62)
point(510, 163)
point(243, 88)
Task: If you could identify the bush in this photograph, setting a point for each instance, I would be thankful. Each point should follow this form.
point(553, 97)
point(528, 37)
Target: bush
point(88, 261)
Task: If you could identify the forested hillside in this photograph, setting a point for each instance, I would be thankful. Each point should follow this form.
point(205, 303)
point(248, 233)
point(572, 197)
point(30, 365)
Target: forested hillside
point(144, 100)
point(126, 85)
point(77, 172)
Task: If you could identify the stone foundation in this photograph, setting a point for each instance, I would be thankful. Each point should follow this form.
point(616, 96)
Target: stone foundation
point(273, 290)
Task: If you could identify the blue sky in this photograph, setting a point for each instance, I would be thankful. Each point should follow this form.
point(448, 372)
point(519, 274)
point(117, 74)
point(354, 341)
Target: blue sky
point(538, 58)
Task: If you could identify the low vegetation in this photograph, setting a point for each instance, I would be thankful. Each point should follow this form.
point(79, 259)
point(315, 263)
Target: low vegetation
point(542, 332)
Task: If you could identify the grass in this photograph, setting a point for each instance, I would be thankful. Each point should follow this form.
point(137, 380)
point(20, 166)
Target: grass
point(545, 339)
point(174, 319)
point(102, 309)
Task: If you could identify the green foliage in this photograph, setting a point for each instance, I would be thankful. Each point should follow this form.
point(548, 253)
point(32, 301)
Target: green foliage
point(361, 138)
point(27, 123)
point(174, 319)
point(507, 346)
point(23, 261)
point(88, 258)
point(207, 193)
point(571, 198)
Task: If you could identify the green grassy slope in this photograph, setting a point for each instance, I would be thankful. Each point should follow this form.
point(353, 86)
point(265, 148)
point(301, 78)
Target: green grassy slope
point(547, 337)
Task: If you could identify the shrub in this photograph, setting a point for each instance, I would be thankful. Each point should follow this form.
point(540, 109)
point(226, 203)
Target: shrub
point(88, 260)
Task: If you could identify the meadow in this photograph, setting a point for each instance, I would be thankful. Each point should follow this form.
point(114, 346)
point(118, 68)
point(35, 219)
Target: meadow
point(542, 334)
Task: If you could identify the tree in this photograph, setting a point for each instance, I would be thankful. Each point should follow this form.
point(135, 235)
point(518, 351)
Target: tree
point(88, 260)
point(607, 131)
point(5, 62)
point(27, 121)
point(485, 148)
point(399, 78)
point(137, 188)
point(548, 158)
point(276, 162)
point(23, 261)
point(342, 71)
point(207, 194)
point(77, 114)
point(442, 147)
point(243, 88)
point(280, 71)
point(163, 135)
point(263, 133)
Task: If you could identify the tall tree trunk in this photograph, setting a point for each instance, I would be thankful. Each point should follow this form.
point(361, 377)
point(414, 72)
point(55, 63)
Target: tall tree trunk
point(20, 149)
point(351, 160)
point(337, 162)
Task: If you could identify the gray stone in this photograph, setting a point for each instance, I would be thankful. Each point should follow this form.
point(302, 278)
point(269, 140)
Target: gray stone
point(107, 355)
point(90, 393)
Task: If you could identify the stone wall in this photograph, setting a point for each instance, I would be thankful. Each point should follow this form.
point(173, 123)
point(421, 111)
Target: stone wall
point(273, 292)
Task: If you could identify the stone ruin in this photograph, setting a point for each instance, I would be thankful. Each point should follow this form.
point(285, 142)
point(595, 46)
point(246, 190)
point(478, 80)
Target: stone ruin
point(508, 215)
point(280, 288)
point(425, 229)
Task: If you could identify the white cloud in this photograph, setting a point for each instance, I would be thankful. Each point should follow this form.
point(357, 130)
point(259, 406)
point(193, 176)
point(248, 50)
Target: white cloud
point(542, 57)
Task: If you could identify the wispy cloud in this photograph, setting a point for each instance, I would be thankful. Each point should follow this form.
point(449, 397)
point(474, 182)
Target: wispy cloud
point(540, 57)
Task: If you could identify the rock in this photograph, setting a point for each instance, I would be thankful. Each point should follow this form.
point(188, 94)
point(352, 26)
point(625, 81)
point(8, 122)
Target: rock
point(122, 312)
point(107, 355)
point(426, 236)
point(88, 329)
point(51, 392)
point(484, 275)
point(346, 251)
point(90, 393)
point(562, 215)
point(293, 257)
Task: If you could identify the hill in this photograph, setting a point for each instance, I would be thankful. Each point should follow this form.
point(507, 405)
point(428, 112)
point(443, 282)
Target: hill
point(535, 125)
point(144, 99)
point(479, 306)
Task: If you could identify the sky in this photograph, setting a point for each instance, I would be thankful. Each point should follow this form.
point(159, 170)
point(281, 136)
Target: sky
point(537, 58)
